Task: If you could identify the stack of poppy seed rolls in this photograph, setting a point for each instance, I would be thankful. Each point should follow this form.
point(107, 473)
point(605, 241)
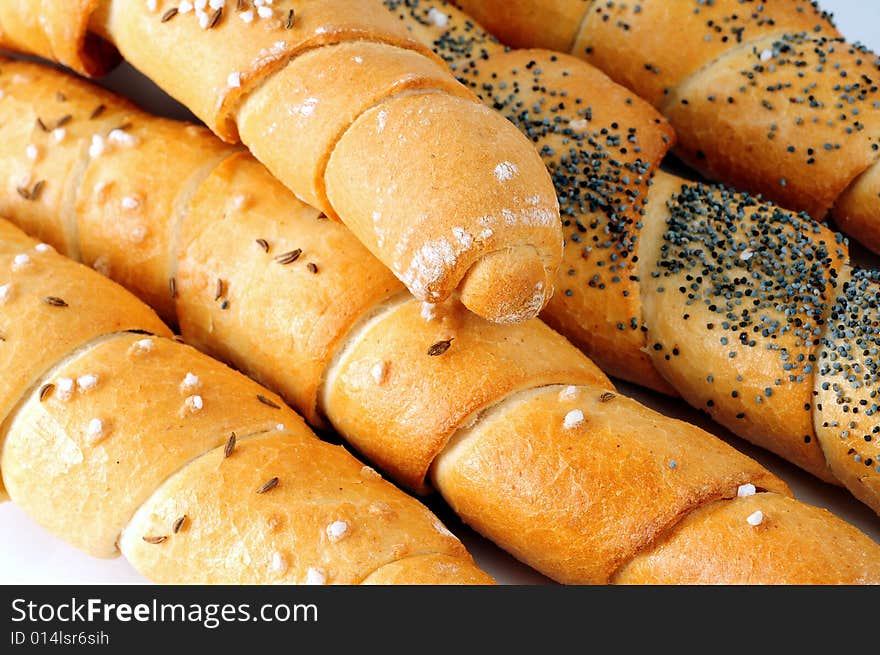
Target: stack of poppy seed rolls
point(522, 435)
point(749, 311)
point(117, 438)
point(354, 116)
point(766, 96)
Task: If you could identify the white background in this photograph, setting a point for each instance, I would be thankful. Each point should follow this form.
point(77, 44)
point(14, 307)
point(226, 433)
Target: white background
point(29, 555)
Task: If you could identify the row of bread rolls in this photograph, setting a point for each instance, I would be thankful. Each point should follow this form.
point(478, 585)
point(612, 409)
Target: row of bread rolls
point(117, 438)
point(519, 431)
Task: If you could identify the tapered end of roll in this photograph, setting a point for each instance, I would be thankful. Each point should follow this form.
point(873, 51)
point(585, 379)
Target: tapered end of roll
point(434, 569)
point(508, 286)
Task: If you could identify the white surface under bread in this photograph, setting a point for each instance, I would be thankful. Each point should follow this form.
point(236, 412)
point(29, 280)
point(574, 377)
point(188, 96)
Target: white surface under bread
point(30, 555)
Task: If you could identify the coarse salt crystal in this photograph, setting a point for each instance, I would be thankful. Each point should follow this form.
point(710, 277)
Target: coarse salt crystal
point(437, 17)
point(98, 146)
point(152, 5)
point(247, 16)
point(766, 55)
point(64, 389)
point(95, 430)
point(20, 262)
point(131, 202)
point(315, 576)
point(505, 171)
point(194, 403)
point(265, 12)
point(86, 383)
point(379, 372)
point(32, 152)
point(43, 248)
point(755, 518)
point(307, 108)
point(185, 7)
point(573, 419)
point(190, 382)
point(143, 346)
point(217, 4)
point(234, 80)
point(204, 19)
point(5, 293)
point(122, 138)
point(59, 134)
point(745, 490)
point(568, 393)
point(337, 531)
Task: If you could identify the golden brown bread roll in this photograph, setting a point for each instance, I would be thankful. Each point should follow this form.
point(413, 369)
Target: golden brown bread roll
point(117, 440)
point(734, 369)
point(625, 474)
point(343, 528)
point(513, 425)
point(767, 97)
point(356, 117)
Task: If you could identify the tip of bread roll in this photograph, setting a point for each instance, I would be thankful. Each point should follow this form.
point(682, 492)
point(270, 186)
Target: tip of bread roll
point(524, 293)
